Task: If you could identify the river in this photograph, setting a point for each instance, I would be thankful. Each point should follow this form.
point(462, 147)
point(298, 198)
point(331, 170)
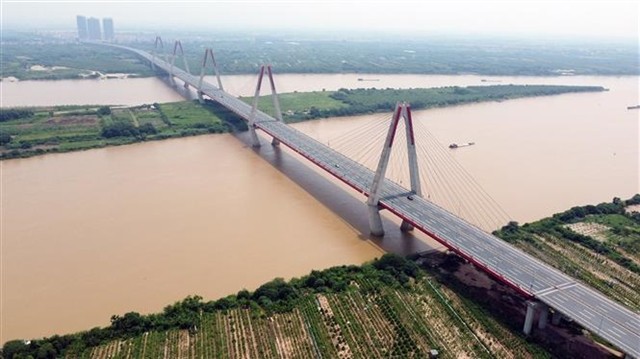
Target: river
point(89, 234)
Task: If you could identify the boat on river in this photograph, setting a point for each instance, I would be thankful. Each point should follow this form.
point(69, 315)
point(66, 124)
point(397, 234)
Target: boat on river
point(457, 145)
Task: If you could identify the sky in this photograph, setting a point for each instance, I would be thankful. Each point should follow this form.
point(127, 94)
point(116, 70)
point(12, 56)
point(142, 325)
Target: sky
point(615, 19)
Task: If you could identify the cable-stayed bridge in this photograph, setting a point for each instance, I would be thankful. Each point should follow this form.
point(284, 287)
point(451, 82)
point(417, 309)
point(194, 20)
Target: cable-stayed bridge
point(545, 287)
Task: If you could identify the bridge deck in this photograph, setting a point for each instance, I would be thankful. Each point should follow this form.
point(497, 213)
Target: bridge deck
point(533, 278)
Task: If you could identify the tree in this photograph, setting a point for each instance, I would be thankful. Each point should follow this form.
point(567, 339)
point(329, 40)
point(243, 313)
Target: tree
point(104, 111)
point(131, 323)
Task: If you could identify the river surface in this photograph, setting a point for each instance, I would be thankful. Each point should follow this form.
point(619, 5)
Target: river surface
point(89, 234)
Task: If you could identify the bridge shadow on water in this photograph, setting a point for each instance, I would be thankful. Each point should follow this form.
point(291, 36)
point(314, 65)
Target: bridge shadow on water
point(340, 199)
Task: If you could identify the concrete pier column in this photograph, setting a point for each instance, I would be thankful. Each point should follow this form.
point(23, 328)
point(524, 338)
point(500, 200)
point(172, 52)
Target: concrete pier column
point(528, 321)
point(406, 226)
point(255, 141)
point(375, 221)
point(544, 316)
point(556, 317)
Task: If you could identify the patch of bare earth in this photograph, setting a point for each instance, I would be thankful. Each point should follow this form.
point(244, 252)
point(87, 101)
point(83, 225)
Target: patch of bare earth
point(468, 275)
point(594, 230)
point(86, 120)
point(632, 208)
point(335, 332)
point(184, 344)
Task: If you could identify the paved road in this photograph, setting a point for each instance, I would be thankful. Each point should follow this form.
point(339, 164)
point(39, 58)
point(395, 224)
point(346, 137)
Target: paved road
point(531, 277)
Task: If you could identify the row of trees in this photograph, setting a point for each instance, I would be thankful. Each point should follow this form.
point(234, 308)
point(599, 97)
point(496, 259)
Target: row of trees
point(14, 114)
point(126, 129)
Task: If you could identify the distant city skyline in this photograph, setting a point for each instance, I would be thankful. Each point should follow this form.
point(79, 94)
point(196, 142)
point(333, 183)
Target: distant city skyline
point(563, 18)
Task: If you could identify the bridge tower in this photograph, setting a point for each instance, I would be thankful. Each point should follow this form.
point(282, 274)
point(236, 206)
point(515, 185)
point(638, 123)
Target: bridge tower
point(208, 53)
point(254, 108)
point(158, 44)
point(178, 45)
point(402, 110)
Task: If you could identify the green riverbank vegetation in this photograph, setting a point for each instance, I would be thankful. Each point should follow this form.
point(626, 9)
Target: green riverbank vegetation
point(32, 131)
point(311, 105)
point(387, 308)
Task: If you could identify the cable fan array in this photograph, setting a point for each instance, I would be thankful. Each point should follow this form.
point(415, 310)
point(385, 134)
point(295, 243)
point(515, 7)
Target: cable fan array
point(444, 181)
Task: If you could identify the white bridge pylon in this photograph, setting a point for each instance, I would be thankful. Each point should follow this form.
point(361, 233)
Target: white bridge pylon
point(158, 44)
point(208, 53)
point(177, 45)
point(402, 110)
point(255, 142)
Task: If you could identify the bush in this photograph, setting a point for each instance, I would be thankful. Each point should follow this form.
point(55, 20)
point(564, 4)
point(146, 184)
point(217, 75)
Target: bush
point(104, 111)
point(5, 138)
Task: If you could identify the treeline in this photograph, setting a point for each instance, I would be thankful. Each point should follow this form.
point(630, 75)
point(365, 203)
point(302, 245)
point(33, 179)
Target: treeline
point(372, 100)
point(556, 226)
point(275, 296)
point(14, 114)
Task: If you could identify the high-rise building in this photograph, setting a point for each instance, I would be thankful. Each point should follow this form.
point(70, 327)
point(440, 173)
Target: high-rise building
point(107, 27)
point(82, 27)
point(93, 25)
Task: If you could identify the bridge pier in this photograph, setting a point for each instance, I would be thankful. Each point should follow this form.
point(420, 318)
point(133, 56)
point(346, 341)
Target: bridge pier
point(375, 221)
point(255, 141)
point(528, 320)
point(556, 317)
point(406, 226)
point(544, 316)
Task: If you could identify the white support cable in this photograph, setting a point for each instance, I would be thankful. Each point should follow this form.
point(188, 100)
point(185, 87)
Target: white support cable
point(466, 186)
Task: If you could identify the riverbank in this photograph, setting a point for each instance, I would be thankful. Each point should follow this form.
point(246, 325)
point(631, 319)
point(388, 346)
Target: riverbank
point(57, 129)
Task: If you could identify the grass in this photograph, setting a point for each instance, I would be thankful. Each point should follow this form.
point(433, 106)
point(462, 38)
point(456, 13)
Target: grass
point(187, 114)
point(298, 102)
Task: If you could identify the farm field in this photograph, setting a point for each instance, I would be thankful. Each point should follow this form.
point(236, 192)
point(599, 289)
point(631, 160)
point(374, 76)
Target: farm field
point(365, 321)
point(34, 131)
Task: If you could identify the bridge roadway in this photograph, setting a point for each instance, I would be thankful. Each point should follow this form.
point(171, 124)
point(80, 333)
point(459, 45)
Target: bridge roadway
point(529, 276)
